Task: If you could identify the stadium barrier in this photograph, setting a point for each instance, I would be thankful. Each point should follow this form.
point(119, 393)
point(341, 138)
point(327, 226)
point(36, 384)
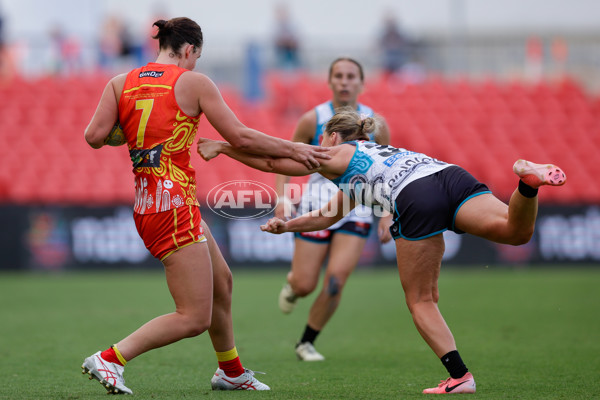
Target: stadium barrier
point(59, 238)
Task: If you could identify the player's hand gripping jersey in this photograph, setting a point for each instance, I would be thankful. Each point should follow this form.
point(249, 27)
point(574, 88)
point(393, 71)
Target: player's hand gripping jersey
point(159, 136)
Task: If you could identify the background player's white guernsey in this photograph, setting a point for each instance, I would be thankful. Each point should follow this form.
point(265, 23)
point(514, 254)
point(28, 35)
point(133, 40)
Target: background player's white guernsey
point(320, 190)
point(376, 174)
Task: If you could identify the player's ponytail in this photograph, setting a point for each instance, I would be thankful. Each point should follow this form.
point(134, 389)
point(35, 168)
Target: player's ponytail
point(351, 126)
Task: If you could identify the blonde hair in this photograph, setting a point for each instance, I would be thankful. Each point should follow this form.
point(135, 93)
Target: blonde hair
point(350, 125)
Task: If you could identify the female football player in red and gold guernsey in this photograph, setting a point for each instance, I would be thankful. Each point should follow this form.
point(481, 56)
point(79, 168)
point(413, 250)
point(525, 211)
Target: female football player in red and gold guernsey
point(159, 106)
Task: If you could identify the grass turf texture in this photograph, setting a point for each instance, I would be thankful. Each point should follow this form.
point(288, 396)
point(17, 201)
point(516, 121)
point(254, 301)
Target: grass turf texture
point(526, 334)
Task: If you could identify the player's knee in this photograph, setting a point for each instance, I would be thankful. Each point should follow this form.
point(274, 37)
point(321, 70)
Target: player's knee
point(302, 289)
point(301, 285)
point(224, 284)
point(334, 286)
point(195, 327)
point(414, 301)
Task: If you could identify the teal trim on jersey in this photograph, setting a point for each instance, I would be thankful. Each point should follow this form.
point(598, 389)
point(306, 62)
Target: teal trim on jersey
point(359, 164)
point(464, 201)
point(338, 180)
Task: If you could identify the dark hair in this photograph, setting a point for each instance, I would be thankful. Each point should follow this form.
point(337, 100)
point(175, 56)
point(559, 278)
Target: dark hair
point(351, 126)
point(175, 32)
point(352, 60)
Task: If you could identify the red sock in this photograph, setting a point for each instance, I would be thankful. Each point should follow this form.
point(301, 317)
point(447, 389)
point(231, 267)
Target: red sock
point(110, 356)
point(232, 368)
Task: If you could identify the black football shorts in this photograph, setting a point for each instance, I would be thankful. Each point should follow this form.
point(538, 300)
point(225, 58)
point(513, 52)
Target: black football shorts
point(428, 206)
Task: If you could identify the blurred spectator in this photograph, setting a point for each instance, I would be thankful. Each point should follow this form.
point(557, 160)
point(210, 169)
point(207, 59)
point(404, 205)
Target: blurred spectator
point(534, 59)
point(116, 44)
point(65, 52)
point(286, 40)
point(253, 73)
point(560, 53)
point(7, 70)
point(1, 31)
point(394, 45)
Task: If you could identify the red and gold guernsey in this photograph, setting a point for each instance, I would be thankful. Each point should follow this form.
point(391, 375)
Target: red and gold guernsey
point(159, 136)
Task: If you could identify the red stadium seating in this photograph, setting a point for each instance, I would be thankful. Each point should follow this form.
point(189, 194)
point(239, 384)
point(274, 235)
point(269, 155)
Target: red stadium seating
point(482, 126)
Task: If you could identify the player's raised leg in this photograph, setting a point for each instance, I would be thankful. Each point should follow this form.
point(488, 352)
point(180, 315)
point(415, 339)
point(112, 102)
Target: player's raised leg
point(488, 217)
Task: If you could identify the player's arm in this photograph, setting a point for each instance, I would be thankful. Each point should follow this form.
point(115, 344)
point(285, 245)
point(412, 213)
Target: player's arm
point(304, 133)
point(247, 139)
point(330, 168)
point(107, 113)
point(316, 220)
point(209, 149)
point(383, 228)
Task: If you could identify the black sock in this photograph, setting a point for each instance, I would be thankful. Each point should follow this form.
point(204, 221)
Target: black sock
point(526, 190)
point(454, 364)
point(310, 335)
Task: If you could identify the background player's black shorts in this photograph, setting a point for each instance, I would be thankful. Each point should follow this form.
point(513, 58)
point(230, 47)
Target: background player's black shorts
point(428, 206)
point(357, 228)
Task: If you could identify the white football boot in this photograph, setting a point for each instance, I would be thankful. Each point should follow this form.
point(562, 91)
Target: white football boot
point(245, 381)
point(109, 374)
point(306, 352)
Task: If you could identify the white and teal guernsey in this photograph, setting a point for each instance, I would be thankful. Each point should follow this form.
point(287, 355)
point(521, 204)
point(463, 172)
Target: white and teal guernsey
point(377, 174)
point(320, 190)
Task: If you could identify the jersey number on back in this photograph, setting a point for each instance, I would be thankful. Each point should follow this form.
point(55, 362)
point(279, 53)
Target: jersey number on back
point(146, 107)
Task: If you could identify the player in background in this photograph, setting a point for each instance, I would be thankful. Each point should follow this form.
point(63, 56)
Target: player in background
point(426, 197)
point(158, 107)
point(341, 244)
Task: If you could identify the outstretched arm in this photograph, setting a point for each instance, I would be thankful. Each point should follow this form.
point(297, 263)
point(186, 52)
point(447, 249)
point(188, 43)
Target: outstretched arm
point(316, 220)
point(247, 139)
point(209, 149)
point(331, 168)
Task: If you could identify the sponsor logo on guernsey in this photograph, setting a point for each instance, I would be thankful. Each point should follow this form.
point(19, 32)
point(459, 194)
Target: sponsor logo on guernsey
point(146, 158)
point(151, 74)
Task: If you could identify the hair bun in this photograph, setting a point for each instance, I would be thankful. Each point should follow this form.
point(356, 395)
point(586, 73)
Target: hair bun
point(161, 24)
point(368, 125)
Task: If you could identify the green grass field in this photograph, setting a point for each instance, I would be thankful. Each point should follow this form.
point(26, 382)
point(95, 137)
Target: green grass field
point(525, 334)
